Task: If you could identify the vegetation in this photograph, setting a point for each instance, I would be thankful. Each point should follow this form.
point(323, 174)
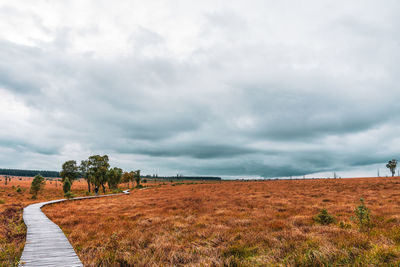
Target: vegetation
point(28, 173)
point(16, 195)
point(70, 171)
point(391, 165)
point(66, 185)
point(96, 171)
point(324, 217)
point(185, 178)
point(114, 178)
point(137, 178)
point(37, 185)
point(363, 217)
point(68, 195)
point(84, 172)
point(98, 167)
point(268, 223)
point(128, 177)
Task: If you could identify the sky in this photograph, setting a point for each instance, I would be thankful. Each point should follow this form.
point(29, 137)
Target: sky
point(227, 88)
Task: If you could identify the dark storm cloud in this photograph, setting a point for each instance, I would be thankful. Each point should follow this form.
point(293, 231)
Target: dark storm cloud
point(205, 151)
point(267, 89)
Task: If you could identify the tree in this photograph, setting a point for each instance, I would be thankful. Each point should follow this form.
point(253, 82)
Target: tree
point(70, 170)
point(84, 170)
point(127, 177)
point(392, 164)
point(137, 178)
point(114, 177)
point(37, 185)
point(66, 185)
point(98, 167)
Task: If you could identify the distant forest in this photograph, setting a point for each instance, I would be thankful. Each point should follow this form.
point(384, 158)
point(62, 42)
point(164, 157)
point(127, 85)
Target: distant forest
point(208, 178)
point(28, 173)
point(31, 173)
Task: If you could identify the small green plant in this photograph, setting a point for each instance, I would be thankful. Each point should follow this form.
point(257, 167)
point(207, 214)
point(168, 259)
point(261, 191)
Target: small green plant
point(363, 217)
point(19, 190)
point(2, 201)
point(68, 195)
point(324, 218)
point(344, 225)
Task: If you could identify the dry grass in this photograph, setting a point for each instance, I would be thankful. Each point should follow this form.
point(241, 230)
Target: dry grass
point(236, 224)
point(12, 202)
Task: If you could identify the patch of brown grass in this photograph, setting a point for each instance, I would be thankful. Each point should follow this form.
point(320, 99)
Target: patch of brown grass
point(12, 202)
point(236, 224)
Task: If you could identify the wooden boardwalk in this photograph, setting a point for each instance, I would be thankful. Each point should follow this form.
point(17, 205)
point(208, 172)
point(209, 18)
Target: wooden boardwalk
point(46, 244)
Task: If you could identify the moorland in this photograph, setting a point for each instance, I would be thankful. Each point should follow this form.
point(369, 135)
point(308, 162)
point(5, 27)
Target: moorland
point(14, 196)
point(253, 223)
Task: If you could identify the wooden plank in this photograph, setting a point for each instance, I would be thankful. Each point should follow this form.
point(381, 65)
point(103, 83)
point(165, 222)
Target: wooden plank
point(46, 244)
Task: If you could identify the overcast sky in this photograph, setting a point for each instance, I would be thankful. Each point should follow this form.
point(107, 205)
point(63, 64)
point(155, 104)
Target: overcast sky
point(228, 88)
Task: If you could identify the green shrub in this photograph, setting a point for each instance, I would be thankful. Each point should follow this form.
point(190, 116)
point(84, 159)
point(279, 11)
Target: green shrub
point(68, 195)
point(116, 191)
point(2, 201)
point(37, 185)
point(19, 190)
point(324, 218)
point(363, 217)
point(66, 185)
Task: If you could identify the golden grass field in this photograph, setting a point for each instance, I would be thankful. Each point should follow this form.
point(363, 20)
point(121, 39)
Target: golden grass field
point(12, 202)
point(268, 223)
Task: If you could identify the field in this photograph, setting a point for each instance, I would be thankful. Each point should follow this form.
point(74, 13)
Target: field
point(268, 223)
point(12, 202)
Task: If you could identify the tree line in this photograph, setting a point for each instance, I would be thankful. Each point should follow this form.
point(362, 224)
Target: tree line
point(98, 174)
point(28, 173)
point(181, 177)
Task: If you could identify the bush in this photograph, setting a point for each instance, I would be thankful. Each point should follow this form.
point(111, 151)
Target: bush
point(19, 190)
point(68, 195)
point(324, 218)
point(363, 217)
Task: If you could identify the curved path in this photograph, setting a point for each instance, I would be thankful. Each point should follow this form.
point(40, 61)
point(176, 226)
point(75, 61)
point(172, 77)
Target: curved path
point(46, 244)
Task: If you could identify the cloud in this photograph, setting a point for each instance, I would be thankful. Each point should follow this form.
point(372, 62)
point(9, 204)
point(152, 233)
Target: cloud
point(268, 89)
